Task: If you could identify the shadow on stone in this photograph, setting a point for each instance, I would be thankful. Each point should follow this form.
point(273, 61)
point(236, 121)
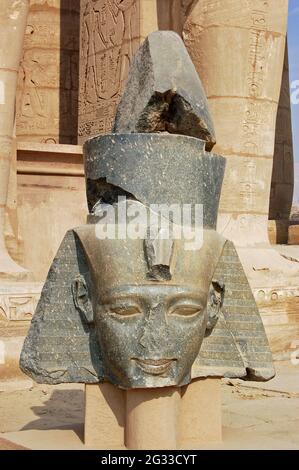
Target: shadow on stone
point(63, 410)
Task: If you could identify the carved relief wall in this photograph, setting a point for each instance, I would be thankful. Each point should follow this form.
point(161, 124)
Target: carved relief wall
point(47, 103)
point(110, 35)
point(18, 302)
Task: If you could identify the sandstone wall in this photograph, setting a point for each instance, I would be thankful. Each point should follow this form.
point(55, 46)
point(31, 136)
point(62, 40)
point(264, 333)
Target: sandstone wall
point(110, 35)
point(238, 49)
point(47, 103)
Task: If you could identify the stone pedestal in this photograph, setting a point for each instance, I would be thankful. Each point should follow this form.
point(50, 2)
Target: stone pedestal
point(278, 231)
point(168, 418)
point(293, 236)
point(200, 413)
point(104, 416)
point(152, 418)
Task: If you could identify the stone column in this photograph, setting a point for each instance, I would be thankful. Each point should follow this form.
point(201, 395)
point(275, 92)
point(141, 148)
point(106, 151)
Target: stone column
point(282, 184)
point(13, 17)
point(155, 418)
point(238, 49)
point(152, 418)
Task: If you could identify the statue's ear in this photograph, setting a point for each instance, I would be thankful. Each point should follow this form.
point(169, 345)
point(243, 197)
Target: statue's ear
point(81, 298)
point(215, 302)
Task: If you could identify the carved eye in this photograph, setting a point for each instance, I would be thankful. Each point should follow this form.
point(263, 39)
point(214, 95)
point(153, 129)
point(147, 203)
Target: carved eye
point(186, 310)
point(125, 311)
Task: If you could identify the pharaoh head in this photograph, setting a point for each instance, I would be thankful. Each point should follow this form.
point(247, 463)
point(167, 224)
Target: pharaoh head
point(148, 299)
point(149, 310)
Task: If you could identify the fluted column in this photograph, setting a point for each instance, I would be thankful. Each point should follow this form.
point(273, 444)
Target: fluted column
point(238, 49)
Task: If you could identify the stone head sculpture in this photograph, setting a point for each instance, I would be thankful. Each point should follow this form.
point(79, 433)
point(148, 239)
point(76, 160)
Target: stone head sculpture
point(140, 296)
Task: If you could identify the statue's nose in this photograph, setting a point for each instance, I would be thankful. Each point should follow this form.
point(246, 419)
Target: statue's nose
point(155, 330)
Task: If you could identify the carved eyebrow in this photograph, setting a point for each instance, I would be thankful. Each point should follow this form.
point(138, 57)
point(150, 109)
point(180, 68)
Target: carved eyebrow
point(189, 295)
point(121, 296)
point(136, 288)
point(196, 300)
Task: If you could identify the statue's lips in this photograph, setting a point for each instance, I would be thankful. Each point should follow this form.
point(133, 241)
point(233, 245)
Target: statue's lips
point(154, 367)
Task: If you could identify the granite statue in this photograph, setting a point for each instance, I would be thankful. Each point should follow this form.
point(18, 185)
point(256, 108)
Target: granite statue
point(127, 300)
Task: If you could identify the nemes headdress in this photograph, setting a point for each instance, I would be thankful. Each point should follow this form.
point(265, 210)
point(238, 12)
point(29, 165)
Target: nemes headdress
point(158, 154)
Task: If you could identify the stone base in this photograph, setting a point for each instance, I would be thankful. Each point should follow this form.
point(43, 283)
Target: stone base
point(293, 235)
point(278, 231)
point(255, 415)
point(104, 416)
point(153, 418)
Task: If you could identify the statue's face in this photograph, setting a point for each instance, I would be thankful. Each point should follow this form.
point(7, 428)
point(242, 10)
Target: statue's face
point(150, 334)
point(149, 306)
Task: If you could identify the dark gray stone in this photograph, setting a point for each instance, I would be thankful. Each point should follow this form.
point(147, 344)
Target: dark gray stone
point(149, 312)
point(154, 169)
point(62, 347)
point(164, 92)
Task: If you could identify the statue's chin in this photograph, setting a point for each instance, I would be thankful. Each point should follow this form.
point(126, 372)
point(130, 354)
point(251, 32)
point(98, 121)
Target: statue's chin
point(151, 374)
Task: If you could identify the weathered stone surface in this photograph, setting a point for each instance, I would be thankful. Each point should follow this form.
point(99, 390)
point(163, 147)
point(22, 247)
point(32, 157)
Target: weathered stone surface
point(62, 347)
point(142, 310)
point(164, 92)
point(155, 169)
point(294, 234)
point(278, 231)
point(242, 85)
point(240, 321)
point(109, 35)
point(57, 348)
point(13, 16)
point(48, 79)
point(18, 300)
point(47, 175)
point(104, 416)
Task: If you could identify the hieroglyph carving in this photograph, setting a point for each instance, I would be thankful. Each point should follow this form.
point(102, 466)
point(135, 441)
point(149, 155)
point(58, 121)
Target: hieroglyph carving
point(257, 59)
point(48, 75)
point(109, 38)
point(19, 302)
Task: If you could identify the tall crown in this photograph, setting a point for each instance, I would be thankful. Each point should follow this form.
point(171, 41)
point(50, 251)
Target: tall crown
point(163, 132)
